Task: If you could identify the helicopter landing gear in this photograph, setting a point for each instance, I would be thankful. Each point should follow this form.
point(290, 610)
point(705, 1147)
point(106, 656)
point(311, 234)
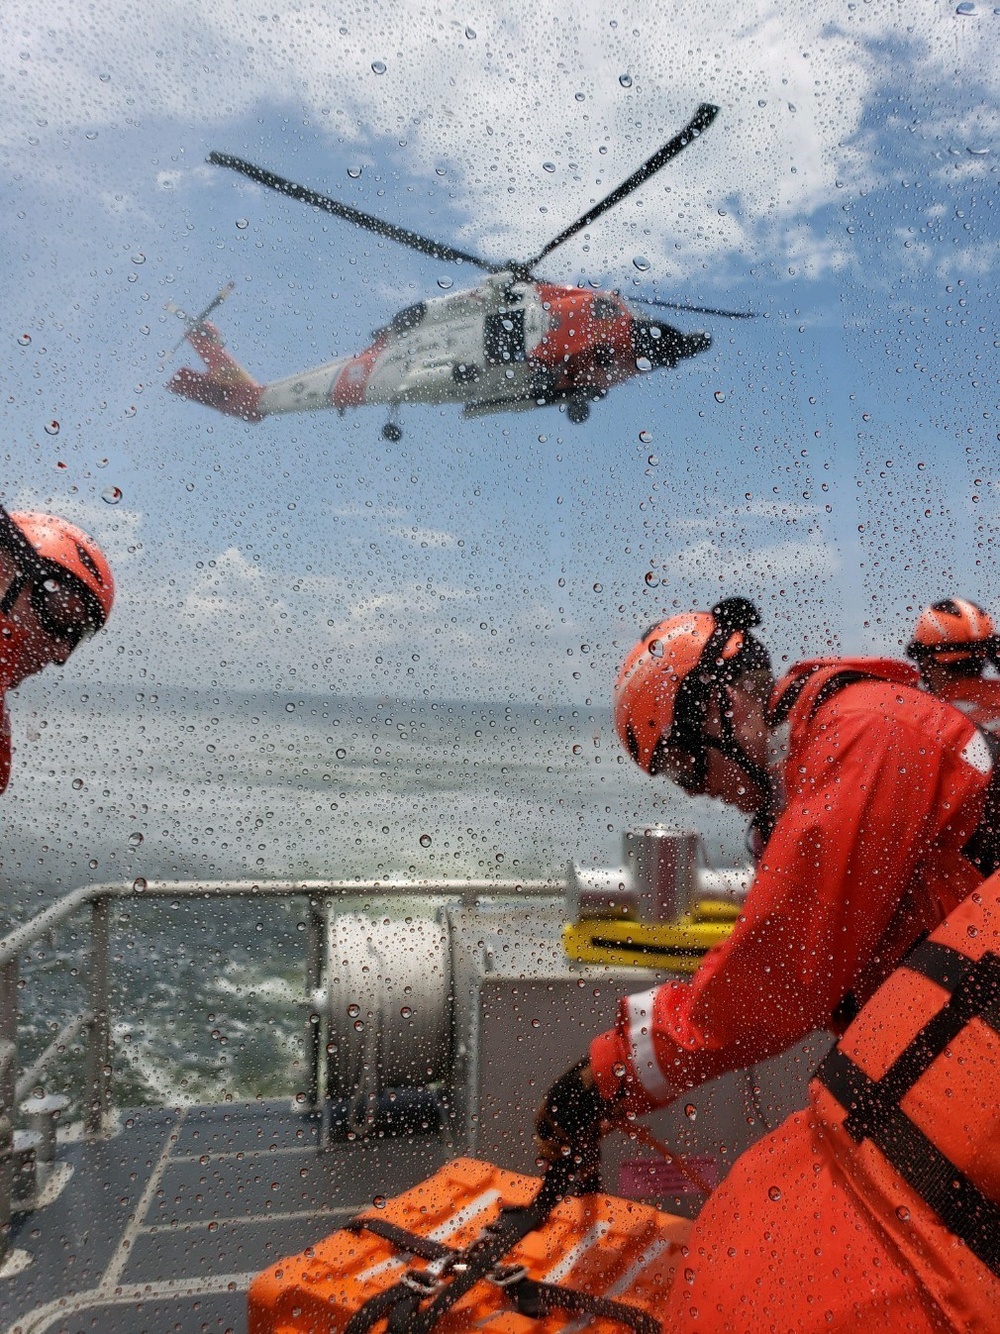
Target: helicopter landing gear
point(391, 431)
point(578, 410)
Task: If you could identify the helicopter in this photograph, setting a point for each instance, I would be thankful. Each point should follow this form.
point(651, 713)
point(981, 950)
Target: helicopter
point(513, 343)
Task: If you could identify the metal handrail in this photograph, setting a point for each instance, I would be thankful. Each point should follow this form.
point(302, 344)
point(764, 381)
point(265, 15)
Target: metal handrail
point(96, 1019)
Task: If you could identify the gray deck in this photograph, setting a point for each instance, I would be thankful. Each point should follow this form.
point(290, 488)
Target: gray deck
point(163, 1227)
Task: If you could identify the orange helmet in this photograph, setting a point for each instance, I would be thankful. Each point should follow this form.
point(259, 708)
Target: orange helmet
point(950, 631)
point(64, 550)
point(665, 682)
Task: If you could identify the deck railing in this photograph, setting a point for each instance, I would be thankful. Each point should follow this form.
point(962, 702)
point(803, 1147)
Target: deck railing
point(94, 1022)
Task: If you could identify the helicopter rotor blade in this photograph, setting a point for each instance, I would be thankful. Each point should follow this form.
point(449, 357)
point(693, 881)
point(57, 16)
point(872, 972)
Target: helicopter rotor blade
point(700, 121)
point(316, 200)
point(697, 310)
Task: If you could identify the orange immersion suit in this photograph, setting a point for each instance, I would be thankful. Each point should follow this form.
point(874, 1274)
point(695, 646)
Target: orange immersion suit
point(977, 698)
point(884, 785)
point(881, 1201)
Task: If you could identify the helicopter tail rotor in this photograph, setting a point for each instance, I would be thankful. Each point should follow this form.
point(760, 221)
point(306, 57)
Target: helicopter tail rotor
point(225, 386)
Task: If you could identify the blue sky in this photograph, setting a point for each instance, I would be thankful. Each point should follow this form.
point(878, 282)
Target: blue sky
point(835, 458)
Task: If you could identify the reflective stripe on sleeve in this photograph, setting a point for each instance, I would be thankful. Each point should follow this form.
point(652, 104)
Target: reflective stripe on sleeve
point(643, 1054)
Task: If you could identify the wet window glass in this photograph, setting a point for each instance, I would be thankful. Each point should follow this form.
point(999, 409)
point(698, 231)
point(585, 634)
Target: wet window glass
point(325, 852)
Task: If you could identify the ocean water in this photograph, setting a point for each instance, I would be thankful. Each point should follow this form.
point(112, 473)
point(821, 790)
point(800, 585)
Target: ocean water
point(117, 785)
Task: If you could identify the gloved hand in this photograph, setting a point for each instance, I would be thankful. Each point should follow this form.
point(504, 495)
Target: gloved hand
point(569, 1127)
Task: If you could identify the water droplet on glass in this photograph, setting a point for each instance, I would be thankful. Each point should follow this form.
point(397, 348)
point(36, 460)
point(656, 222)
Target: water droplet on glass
point(138, 258)
point(135, 840)
point(378, 66)
point(378, 1201)
point(139, 885)
point(972, 931)
point(651, 579)
point(130, 411)
point(471, 34)
point(354, 173)
point(445, 283)
point(91, 134)
point(966, 8)
point(111, 495)
point(641, 263)
point(691, 1111)
point(656, 648)
point(719, 396)
point(978, 152)
point(52, 428)
point(653, 460)
point(773, 1193)
point(105, 78)
point(93, 863)
point(598, 588)
point(354, 1010)
point(77, 784)
point(580, 97)
point(902, 1213)
point(643, 364)
point(548, 166)
point(24, 339)
point(242, 224)
point(341, 753)
point(405, 1012)
point(646, 437)
point(625, 80)
point(425, 840)
point(577, 750)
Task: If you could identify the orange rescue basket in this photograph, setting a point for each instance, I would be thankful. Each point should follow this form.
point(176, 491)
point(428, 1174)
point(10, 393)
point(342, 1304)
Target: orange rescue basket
point(445, 1256)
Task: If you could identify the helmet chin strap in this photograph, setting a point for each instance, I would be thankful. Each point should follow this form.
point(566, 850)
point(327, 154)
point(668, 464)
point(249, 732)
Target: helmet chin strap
point(727, 744)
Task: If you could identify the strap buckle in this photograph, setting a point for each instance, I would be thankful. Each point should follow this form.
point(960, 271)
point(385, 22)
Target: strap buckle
point(506, 1275)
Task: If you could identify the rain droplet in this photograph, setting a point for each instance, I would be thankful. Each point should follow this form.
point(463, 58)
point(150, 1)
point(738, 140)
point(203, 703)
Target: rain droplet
point(577, 750)
point(643, 364)
point(111, 495)
point(966, 8)
point(77, 784)
point(341, 753)
point(719, 396)
point(653, 460)
point(774, 1193)
point(625, 80)
point(105, 78)
point(139, 885)
point(52, 428)
point(378, 66)
point(646, 437)
point(425, 840)
point(641, 263)
point(138, 257)
point(130, 411)
point(651, 579)
point(24, 339)
point(242, 223)
point(378, 1201)
point(978, 152)
point(656, 648)
point(405, 1012)
point(580, 97)
point(135, 840)
point(691, 1111)
point(902, 1213)
point(598, 588)
point(471, 34)
point(354, 1010)
point(354, 172)
point(445, 283)
point(548, 166)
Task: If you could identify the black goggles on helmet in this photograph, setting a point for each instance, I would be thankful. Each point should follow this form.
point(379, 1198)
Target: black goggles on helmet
point(66, 610)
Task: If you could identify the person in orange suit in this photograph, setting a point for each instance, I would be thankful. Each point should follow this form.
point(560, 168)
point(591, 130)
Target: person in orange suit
point(867, 796)
point(953, 643)
point(56, 588)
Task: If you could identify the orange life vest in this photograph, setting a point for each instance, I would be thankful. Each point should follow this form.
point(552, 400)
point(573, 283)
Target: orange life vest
point(908, 1102)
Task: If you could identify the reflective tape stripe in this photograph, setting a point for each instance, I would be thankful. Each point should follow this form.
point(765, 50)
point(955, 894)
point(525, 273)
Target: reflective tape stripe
point(977, 753)
point(641, 1049)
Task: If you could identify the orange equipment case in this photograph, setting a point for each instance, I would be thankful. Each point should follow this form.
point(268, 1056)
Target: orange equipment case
point(595, 1260)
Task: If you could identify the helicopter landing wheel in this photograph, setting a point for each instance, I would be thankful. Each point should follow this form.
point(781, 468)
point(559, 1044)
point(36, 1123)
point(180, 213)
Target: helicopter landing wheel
point(578, 410)
point(390, 431)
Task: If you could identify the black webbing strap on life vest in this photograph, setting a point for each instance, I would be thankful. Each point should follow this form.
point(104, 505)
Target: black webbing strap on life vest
point(421, 1298)
point(789, 698)
point(873, 1105)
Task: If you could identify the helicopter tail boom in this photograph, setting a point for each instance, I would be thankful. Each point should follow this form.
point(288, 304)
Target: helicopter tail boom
point(225, 386)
